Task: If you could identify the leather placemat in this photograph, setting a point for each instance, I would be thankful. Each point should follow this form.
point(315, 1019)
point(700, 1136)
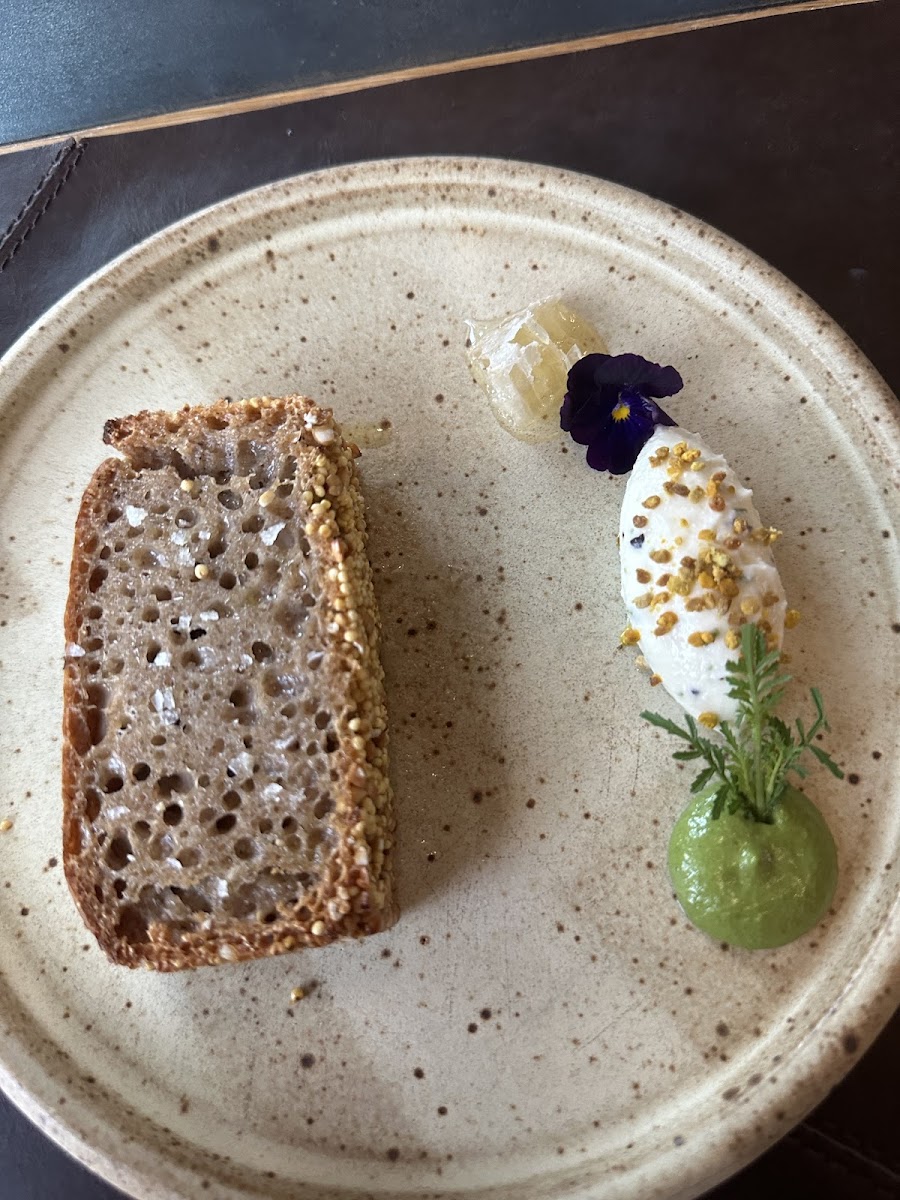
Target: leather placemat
point(782, 133)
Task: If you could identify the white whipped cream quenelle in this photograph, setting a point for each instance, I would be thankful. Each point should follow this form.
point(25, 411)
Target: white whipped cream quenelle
point(696, 565)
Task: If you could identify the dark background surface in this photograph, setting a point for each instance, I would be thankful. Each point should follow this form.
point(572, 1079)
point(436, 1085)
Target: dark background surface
point(783, 133)
point(68, 65)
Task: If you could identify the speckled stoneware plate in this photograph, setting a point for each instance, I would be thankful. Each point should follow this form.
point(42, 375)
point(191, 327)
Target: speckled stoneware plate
point(542, 1022)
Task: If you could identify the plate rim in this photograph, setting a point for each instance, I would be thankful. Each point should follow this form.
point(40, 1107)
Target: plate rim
point(869, 1010)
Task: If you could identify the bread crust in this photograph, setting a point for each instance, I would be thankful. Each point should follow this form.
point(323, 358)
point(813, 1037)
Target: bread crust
point(353, 894)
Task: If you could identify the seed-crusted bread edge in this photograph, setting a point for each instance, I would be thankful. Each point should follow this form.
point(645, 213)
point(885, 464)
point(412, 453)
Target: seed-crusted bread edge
point(354, 896)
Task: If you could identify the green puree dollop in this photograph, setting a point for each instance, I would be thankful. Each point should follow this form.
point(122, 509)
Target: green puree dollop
point(752, 883)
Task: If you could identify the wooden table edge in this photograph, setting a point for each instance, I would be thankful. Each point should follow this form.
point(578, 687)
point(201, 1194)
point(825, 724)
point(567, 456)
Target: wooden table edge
point(340, 87)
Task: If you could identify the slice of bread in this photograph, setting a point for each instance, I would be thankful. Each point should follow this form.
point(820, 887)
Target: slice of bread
point(225, 782)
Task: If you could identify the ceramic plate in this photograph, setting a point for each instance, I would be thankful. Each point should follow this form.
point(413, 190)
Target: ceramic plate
point(542, 1022)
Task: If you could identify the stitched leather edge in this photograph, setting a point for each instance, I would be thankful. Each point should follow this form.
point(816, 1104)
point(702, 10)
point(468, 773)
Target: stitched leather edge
point(46, 191)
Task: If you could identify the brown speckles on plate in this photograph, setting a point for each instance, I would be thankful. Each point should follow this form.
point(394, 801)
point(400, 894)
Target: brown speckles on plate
point(849, 1042)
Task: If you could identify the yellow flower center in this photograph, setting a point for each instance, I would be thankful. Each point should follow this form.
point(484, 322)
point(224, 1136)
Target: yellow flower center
point(621, 412)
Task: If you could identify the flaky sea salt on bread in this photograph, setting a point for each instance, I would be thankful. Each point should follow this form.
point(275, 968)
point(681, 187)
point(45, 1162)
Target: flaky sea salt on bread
point(225, 782)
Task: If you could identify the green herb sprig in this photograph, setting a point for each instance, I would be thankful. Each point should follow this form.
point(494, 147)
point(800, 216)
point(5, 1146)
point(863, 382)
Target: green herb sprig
point(749, 770)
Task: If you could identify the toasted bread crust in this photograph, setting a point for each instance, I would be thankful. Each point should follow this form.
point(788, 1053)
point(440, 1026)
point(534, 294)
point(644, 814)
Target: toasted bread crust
point(351, 895)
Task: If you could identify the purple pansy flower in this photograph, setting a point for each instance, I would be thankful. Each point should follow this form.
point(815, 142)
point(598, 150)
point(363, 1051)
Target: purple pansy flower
point(610, 407)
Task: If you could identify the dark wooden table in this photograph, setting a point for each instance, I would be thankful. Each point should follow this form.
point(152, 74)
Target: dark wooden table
point(69, 65)
point(783, 133)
